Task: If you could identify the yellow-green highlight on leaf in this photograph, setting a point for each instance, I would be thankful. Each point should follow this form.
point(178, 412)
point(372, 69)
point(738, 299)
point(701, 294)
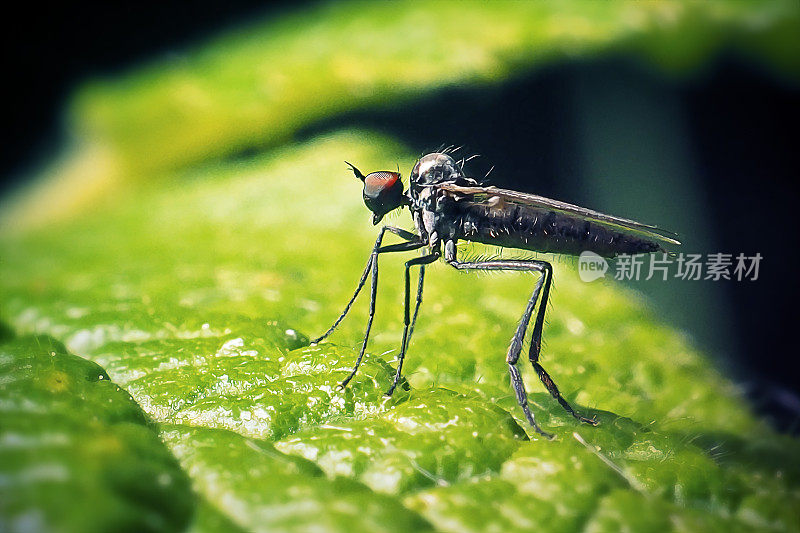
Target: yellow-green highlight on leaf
point(198, 295)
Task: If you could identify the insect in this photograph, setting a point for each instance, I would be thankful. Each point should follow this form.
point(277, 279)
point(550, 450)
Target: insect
point(447, 207)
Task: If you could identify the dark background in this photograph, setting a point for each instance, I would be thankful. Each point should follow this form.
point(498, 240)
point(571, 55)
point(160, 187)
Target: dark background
point(712, 155)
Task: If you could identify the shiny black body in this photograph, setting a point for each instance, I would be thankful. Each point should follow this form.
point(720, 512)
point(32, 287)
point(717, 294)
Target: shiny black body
point(550, 232)
point(445, 202)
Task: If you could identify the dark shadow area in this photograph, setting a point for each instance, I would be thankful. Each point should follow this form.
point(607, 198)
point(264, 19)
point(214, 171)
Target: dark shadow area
point(520, 131)
point(6, 333)
point(769, 456)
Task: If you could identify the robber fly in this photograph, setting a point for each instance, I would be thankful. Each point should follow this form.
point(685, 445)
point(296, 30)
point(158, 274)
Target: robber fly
point(447, 207)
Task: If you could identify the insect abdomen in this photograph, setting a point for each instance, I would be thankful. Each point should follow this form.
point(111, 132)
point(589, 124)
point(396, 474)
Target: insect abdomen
point(546, 231)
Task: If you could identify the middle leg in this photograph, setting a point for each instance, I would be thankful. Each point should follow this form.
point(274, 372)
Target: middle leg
point(407, 323)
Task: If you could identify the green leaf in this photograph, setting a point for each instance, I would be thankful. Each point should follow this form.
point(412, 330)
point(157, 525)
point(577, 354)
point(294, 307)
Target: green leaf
point(263, 490)
point(76, 452)
point(198, 312)
point(427, 440)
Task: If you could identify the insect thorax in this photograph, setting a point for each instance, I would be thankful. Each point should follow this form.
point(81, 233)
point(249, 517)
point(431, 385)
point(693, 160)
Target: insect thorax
point(431, 170)
point(436, 168)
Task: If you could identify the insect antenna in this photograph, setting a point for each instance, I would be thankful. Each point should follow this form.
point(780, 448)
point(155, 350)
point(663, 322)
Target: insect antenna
point(450, 149)
point(487, 174)
point(355, 171)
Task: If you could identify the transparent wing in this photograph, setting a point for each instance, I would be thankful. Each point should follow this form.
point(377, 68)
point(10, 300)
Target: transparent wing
point(495, 197)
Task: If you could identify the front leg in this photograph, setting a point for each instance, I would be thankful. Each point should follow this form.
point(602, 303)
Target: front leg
point(401, 247)
point(407, 235)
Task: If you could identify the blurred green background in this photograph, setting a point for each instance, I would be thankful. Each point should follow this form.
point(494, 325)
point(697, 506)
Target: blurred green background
point(196, 224)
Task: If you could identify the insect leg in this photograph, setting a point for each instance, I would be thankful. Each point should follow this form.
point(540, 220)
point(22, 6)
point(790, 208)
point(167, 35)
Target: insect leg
point(514, 349)
point(422, 261)
point(536, 346)
point(522, 400)
point(397, 231)
point(401, 247)
point(418, 302)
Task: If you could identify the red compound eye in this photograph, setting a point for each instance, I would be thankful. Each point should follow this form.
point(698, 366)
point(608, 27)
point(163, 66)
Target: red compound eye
point(383, 191)
point(378, 182)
